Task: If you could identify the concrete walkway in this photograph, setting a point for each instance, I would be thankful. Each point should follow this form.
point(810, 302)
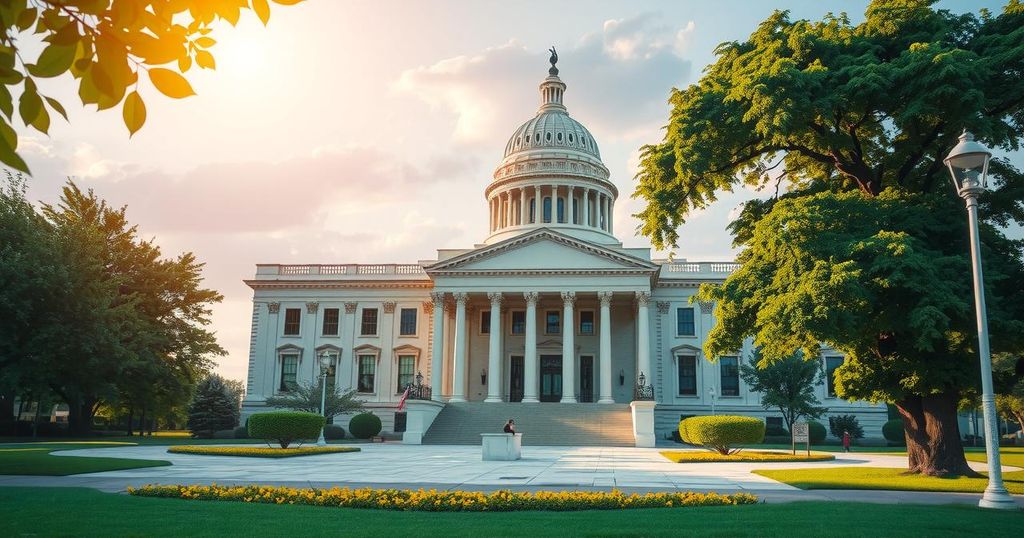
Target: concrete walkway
point(460, 467)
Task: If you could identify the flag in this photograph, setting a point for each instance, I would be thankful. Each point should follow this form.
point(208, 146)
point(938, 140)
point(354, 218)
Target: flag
point(401, 403)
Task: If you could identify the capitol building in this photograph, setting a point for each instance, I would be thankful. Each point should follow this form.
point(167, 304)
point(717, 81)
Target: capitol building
point(549, 317)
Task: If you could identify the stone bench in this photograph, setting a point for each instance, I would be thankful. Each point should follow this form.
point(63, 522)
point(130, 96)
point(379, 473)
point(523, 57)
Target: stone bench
point(502, 446)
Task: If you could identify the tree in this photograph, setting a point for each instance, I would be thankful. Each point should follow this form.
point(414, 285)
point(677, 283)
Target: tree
point(306, 397)
point(865, 247)
point(1009, 380)
point(214, 407)
point(106, 45)
point(840, 424)
point(786, 385)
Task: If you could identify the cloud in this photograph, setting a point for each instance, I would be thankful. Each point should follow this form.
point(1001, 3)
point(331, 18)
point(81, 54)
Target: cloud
point(618, 80)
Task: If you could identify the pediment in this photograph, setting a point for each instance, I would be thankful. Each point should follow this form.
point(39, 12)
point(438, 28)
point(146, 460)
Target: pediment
point(543, 250)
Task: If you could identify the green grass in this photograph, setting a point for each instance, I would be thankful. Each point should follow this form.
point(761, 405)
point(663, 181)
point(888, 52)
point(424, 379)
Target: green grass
point(83, 512)
point(35, 459)
point(1007, 456)
point(884, 478)
point(692, 456)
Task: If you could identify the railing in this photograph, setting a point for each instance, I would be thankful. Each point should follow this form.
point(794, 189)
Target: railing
point(643, 392)
point(342, 269)
point(701, 267)
point(418, 392)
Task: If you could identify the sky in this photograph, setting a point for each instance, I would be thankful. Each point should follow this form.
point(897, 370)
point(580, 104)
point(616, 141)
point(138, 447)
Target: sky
point(347, 131)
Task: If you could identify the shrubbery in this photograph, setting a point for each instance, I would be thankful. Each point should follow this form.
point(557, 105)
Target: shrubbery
point(893, 432)
point(242, 432)
point(333, 432)
point(721, 432)
point(816, 432)
point(364, 425)
point(777, 430)
point(845, 423)
point(284, 427)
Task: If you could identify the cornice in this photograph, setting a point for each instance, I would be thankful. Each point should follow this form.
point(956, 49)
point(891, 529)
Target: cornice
point(339, 284)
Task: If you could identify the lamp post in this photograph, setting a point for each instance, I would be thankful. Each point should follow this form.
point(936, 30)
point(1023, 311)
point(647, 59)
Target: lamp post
point(325, 364)
point(968, 166)
point(711, 391)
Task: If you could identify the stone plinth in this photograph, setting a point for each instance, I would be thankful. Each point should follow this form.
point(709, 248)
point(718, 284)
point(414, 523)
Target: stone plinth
point(502, 446)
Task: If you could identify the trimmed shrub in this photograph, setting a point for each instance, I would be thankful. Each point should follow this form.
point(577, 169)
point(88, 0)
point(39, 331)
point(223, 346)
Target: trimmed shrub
point(333, 431)
point(364, 425)
point(816, 432)
point(845, 423)
point(224, 434)
point(893, 432)
point(284, 427)
point(720, 432)
point(242, 432)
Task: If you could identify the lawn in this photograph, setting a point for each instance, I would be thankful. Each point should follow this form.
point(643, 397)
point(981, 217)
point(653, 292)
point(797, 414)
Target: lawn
point(35, 459)
point(884, 478)
point(83, 512)
point(1007, 456)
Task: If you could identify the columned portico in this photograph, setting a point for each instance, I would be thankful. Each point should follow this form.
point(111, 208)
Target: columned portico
point(568, 348)
point(605, 298)
point(494, 350)
point(437, 348)
point(643, 350)
point(531, 379)
point(459, 366)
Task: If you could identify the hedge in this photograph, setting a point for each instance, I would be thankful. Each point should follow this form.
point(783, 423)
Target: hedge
point(444, 501)
point(893, 432)
point(694, 456)
point(334, 432)
point(364, 425)
point(258, 451)
point(720, 432)
point(285, 427)
point(816, 432)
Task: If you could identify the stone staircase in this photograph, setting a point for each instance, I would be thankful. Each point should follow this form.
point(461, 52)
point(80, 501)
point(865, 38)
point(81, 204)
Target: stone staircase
point(542, 424)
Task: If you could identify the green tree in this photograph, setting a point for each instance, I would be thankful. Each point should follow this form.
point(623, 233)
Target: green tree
point(107, 45)
point(214, 407)
point(1008, 371)
point(864, 244)
point(787, 385)
point(306, 397)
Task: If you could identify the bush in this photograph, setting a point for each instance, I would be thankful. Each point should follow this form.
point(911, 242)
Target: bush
point(364, 425)
point(816, 432)
point(893, 432)
point(284, 427)
point(845, 423)
point(720, 432)
point(214, 407)
point(777, 430)
point(224, 434)
point(242, 432)
point(333, 431)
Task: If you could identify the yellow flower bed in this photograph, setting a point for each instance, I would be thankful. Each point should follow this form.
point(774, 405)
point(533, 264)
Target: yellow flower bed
point(693, 456)
point(444, 501)
point(258, 451)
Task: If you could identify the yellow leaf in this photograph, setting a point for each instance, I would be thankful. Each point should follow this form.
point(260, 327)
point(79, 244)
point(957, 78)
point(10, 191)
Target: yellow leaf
point(262, 9)
point(205, 42)
point(205, 60)
point(184, 63)
point(170, 83)
point(288, 2)
point(134, 112)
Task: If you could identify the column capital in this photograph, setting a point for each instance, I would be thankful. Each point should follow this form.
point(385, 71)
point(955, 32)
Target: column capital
point(389, 307)
point(531, 297)
point(460, 297)
point(568, 298)
point(350, 308)
point(706, 306)
point(495, 297)
point(643, 298)
point(273, 308)
point(437, 297)
point(428, 307)
point(312, 307)
point(605, 297)
point(662, 307)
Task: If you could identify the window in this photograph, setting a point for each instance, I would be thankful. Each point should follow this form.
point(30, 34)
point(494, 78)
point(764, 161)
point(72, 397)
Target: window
point(408, 322)
point(369, 325)
point(561, 209)
point(289, 369)
point(547, 209)
point(831, 363)
point(553, 322)
point(367, 369)
point(576, 210)
point(485, 322)
point(518, 322)
point(686, 366)
point(730, 367)
point(291, 321)
point(586, 322)
point(533, 210)
point(406, 366)
point(684, 322)
point(330, 322)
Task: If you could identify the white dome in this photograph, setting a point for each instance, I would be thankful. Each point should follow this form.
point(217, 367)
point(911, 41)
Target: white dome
point(552, 128)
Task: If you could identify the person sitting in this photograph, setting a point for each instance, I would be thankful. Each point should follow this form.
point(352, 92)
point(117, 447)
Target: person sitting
point(510, 426)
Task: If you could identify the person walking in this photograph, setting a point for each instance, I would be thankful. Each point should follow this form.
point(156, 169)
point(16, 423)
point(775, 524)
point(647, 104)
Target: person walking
point(510, 426)
point(846, 441)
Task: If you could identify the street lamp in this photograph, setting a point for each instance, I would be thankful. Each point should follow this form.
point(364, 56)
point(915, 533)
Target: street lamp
point(711, 391)
point(325, 364)
point(968, 166)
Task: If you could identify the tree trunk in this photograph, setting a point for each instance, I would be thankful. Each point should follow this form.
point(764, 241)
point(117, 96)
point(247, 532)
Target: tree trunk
point(7, 405)
point(80, 415)
point(131, 418)
point(933, 436)
point(142, 422)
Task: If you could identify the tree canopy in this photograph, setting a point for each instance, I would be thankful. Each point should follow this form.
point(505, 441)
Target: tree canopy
point(786, 385)
point(106, 45)
point(863, 245)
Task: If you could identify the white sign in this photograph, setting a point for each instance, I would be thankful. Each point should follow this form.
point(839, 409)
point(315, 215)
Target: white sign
point(801, 433)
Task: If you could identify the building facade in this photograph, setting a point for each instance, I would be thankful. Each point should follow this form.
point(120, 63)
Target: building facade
point(549, 308)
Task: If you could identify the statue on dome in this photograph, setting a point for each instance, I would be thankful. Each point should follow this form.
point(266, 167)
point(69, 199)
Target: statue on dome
point(554, 59)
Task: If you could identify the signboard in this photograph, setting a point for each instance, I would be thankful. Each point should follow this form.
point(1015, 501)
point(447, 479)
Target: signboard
point(801, 433)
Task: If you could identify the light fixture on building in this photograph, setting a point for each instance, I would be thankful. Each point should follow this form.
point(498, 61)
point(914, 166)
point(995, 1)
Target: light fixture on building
point(419, 378)
point(643, 380)
point(483, 377)
point(622, 377)
point(968, 166)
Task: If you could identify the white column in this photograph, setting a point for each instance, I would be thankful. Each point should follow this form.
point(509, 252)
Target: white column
point(524, 208)
point(537, 205)
point(598, 207)
point(459, 375)
point(606, 347)
point(437, 347)
point(568, 348)
point(586, 207)
point(494, 351)
point(643, 344)
point(604, 211)
point(571, 196)
point(611, 216)
point(530, 377)
point(508, 208)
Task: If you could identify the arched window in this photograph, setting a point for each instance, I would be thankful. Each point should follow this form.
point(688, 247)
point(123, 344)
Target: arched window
point(575, 212)
point(533, 210)
point(561, 209)
point(547, 209)
point(559, 136)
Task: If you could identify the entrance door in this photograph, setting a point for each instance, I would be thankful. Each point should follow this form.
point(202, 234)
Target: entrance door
point(515, 379)
point(550, 378)
point(586, 379)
